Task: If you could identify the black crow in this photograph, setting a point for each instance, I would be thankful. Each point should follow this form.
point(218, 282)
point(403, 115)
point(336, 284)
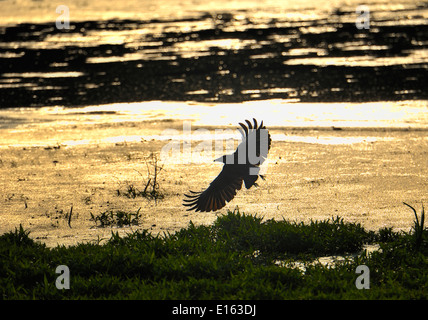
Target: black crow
point(241, 166)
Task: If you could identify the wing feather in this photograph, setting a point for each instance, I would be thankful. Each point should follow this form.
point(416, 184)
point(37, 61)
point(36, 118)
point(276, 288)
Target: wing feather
point(221, 190)
point(255, 135)
point(245, 128)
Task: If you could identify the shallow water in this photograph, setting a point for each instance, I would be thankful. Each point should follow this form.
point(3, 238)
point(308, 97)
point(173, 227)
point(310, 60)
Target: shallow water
point(222, 51)
point(164, 120)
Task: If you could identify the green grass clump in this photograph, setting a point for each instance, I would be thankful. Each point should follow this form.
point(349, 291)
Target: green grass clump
point(277, 239)
point(235, 258)
point(118, 218)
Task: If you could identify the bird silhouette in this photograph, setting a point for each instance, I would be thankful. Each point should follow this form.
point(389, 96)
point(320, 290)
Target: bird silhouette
point(241, 166)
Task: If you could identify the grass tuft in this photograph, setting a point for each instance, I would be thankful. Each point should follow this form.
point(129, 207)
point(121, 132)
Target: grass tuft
point(419, 230)
point(19, 237)
point(118, 218)
point(152, 189)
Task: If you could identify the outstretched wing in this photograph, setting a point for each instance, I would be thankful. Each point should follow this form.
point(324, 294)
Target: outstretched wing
point(221, 190)
point(244, 166)
point(255, 144)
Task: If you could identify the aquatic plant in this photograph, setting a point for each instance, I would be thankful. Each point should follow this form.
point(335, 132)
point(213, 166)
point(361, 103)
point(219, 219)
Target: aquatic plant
point(151, 190)
point(116, 218)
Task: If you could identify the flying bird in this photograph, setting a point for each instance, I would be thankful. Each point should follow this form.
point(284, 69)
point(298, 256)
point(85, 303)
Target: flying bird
point(241, 166)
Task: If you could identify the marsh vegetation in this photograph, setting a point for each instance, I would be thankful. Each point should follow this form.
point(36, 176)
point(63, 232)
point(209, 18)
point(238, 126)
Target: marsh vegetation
point(234, 258)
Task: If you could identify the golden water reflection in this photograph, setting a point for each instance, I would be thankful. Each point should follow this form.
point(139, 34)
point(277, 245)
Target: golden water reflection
point(145, 121)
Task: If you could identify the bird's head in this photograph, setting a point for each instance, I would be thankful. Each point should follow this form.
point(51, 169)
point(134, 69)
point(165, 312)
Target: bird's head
point(226, 159)
point(221, 159)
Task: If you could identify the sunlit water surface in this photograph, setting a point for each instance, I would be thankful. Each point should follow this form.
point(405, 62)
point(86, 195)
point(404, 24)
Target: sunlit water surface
point(164, 120)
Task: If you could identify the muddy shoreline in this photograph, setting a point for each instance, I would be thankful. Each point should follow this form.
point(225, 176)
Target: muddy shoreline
point(364, 181)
